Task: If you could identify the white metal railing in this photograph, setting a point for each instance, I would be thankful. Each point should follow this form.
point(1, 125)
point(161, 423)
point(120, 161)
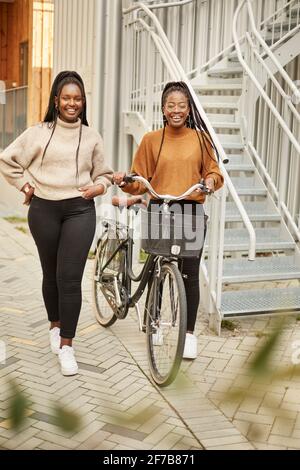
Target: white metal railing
point(150, 63)
point(272, 119)
point(205, 25)
point(13, 114)
point(282, 24)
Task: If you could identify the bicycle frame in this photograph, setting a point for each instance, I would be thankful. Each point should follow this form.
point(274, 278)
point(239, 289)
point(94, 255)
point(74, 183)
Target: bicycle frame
point(146, 274)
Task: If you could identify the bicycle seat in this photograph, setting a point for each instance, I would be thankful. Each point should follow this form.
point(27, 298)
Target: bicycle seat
point(123, 201)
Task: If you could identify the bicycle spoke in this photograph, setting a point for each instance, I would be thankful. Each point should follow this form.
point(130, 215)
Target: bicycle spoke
point(166, 325)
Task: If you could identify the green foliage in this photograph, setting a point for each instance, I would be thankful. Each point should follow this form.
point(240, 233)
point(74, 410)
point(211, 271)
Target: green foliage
point(67, 420)
point(22, 229)
point(19, 406)
point(260, 363)
point(228, 325)
point(15, 220)
point(260, 334)
point(143, 256)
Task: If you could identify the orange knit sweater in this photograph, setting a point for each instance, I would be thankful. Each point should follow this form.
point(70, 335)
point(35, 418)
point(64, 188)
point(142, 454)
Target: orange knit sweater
point(182, 163)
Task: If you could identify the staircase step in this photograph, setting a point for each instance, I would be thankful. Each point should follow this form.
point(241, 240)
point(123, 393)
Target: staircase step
point(267, 239)
point(224, 99)
point(221, 117)
point(217, 104)
point(225, 125)
point(282, 25)
point(218, 87)
point(249, 185)
point(246, 167)
point(224, 72)
point(257, 211)
point(262, 269)
point(247, 302)
point(233, 57)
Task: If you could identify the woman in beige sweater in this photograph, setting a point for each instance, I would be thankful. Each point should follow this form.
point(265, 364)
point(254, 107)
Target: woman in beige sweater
point(175, 158)
point(63, 158)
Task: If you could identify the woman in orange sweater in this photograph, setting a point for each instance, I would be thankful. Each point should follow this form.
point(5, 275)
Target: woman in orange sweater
point(174, 158)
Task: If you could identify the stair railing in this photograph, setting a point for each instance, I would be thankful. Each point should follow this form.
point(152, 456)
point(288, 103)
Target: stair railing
point(146, 73)
point(271, 119)
point(282, 22)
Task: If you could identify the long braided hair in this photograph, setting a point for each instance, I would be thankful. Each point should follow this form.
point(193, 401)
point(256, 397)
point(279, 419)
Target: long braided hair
point(64, 78)
point(194, 120)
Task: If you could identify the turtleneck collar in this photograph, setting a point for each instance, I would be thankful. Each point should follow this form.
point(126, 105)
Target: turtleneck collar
point(176, 132)
point(69, 125)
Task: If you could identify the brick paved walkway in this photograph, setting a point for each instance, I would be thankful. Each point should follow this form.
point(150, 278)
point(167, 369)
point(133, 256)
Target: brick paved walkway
point(121, 408)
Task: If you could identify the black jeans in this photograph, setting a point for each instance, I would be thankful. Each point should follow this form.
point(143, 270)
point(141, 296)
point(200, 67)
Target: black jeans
point(189, 266)
point(63, 232)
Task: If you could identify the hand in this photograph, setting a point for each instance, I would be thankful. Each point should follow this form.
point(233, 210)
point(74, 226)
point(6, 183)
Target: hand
point(118, 178)
point(28, 190)
point(89, 192)
point(210, 184)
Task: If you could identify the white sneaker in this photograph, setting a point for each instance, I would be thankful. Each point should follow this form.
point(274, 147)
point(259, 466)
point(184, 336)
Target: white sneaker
point(158, 338)
point(190, 347)
point(67, 361)
point(54, 336)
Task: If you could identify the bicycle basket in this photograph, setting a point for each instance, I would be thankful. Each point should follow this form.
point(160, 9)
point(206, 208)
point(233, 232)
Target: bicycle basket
point(172, 234)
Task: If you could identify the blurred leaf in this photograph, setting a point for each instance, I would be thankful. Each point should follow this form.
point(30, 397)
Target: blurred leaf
point(259, 365)
point(66, 420)
point(18, 407)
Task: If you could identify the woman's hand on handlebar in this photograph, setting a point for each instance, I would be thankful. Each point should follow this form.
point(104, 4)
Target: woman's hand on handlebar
point(118, 178)
point(210, 184)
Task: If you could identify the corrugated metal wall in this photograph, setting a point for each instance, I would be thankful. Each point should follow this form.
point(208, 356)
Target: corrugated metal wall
point(87, 38)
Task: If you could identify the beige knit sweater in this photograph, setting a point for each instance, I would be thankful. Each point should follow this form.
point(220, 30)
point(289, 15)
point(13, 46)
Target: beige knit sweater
point(56, 178)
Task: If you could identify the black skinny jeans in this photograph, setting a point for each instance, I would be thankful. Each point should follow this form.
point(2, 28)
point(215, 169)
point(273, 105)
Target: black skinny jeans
point(189, 267)
point(63, 232)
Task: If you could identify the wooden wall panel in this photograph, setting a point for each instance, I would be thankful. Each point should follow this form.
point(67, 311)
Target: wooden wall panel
point(3, 41)
point(13, 30)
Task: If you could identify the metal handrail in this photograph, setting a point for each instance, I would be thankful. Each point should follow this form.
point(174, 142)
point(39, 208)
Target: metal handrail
point(162, 5)
point(280, 10)
point(268, 51)
point(256, 82)
point(183, 76)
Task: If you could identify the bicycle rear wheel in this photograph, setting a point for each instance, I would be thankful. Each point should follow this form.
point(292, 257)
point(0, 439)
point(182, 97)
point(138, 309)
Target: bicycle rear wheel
point(104, 298)
point(166, 324)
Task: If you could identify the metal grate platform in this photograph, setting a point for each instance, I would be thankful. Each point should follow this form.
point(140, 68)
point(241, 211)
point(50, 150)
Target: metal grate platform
point(260, 301)
point(263, 268)
point(270, 239)
point(260, 211)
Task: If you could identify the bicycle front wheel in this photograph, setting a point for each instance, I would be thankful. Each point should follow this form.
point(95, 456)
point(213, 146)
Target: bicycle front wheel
point(166, 324)
point(103, 289)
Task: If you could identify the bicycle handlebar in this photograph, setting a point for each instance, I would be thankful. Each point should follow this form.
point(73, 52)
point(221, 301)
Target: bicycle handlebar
point(167, 197)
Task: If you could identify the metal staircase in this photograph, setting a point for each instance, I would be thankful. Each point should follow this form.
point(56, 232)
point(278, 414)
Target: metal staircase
point(219, 91)
point(251, 199)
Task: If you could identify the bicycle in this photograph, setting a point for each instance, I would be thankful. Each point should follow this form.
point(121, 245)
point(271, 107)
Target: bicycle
point(165, 312)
